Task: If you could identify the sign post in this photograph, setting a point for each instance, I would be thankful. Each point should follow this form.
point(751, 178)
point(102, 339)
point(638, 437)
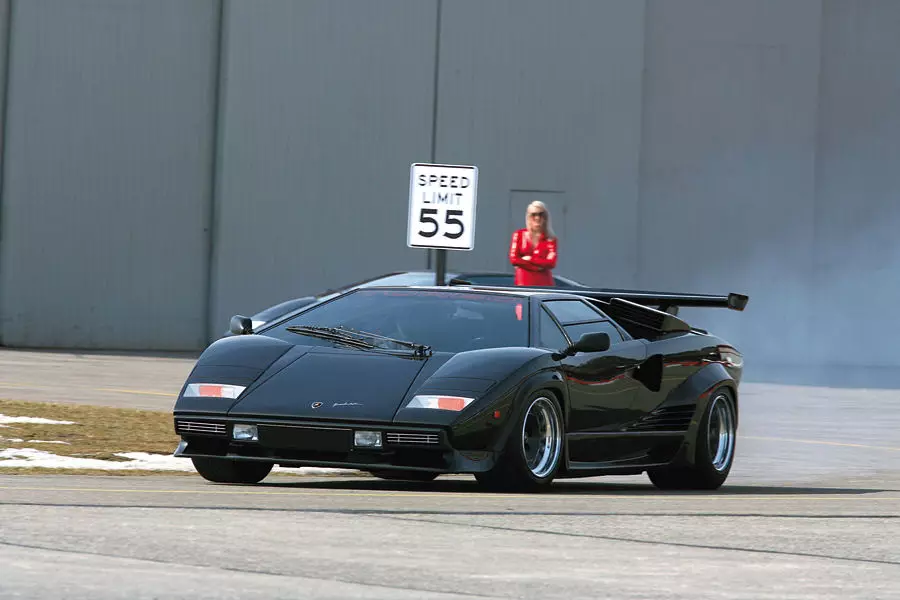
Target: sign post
point(442, 200)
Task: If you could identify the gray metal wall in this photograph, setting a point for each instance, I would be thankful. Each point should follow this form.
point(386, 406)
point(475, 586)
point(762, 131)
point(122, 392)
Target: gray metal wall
point(107, 173)
point(721, 214)
point(545, 97)
point(154, 185)
point(856, 257)
point(324, 106)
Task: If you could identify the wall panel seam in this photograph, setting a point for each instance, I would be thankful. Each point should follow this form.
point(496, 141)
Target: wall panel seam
point(434, 103)
point(215, 167)
point(3, 149)
point(817, 145)
point(639, 196)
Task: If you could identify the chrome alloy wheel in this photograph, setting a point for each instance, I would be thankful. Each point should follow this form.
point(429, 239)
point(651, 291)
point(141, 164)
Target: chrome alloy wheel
point(721, 432)
point(541, 437)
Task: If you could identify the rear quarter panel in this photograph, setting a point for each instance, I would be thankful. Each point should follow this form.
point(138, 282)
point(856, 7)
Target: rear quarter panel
point(692, 369)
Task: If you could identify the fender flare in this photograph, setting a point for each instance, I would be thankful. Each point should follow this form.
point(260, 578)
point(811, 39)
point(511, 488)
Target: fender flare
point(551, 379)
point(700, 386)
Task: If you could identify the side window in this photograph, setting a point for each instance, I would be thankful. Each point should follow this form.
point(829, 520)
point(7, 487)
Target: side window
point(572, 311)
point(551, 336)
point(576, 331)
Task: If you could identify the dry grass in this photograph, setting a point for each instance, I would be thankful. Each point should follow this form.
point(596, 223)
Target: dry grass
point(98, 432)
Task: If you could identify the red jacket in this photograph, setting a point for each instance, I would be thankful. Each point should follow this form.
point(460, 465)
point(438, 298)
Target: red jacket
point(533, 263)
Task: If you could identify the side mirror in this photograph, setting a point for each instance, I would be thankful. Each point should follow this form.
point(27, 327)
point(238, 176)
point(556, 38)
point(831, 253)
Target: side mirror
point(241, 325)
point(592, 342)
point(589, 342)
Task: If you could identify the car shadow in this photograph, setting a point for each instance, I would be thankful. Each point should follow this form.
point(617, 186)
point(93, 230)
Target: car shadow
point(462, 485)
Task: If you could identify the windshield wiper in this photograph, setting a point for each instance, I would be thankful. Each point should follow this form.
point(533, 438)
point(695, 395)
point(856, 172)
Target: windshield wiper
point(418, 349)
point(332, 334)
point(357, 338)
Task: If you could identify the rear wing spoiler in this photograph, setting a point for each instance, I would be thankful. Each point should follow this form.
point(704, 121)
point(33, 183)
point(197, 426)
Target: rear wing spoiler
point(665, 301)
point(668, 302)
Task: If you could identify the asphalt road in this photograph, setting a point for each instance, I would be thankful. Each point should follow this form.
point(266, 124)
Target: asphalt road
point(811, 510)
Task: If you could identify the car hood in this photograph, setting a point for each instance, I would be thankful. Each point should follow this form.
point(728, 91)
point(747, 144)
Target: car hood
point(333, 384)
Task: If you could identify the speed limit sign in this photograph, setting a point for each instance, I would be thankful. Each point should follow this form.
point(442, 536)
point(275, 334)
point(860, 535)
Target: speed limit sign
point(442, 206)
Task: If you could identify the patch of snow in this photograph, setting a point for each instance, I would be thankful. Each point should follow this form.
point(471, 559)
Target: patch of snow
point(138, 461)
point(38, 420)
point(29, 457)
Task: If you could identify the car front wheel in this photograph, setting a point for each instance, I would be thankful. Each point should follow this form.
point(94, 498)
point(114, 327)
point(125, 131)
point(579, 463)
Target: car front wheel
point(715, 445)
point(221, 470)
point(534, 449)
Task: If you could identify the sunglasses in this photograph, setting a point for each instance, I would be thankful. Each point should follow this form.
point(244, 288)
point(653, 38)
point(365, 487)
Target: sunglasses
point(536, 214)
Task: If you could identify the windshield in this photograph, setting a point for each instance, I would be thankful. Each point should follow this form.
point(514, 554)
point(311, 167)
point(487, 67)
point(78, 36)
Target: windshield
point(445, 321)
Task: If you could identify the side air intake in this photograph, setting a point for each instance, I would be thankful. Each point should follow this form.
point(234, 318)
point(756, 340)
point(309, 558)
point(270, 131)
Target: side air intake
point(642, 321)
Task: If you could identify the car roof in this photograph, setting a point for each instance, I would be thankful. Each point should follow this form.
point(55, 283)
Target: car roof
point(425, 274)
point(484, 274)
point(510, 276)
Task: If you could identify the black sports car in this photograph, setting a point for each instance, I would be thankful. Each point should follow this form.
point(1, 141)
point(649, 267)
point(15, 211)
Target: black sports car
point(517, 386)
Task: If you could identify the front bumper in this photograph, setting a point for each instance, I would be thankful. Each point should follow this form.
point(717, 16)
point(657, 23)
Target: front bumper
point(328, 444)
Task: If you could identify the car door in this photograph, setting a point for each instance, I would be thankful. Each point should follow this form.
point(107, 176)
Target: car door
point(601, 390)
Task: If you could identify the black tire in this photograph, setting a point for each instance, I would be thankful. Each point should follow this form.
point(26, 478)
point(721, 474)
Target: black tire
point(715, 447)
point(221, 470)
point(404, 475)
point(534, 450)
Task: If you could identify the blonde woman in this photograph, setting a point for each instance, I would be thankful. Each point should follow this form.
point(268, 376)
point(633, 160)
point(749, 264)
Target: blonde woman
point(533, 249)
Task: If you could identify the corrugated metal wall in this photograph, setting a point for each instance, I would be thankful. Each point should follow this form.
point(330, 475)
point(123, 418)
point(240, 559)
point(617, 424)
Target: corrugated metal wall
point(546, 99)
point(4, 69)
point(324, 107)
point(168, 164)
point(108, 172)
point(721, 214)
point(857, 214)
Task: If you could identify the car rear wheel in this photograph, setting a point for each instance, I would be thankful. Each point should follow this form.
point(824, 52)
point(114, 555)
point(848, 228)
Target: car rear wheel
point(534, 449)
point(404, 475)
point(715, 444)
point(220, 470)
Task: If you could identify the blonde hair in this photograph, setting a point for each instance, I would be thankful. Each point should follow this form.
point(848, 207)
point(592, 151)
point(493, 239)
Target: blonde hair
point(547, 224)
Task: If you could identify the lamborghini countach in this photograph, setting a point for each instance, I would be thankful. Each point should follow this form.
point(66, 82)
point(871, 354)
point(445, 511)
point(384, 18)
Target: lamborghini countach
point(515, 386)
